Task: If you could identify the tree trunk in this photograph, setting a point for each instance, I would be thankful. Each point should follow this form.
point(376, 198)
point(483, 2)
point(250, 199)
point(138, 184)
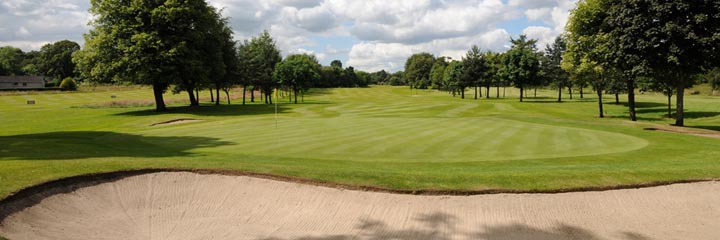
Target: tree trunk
point(462, 93)
point(497, 94)
point(521, 94)
point(617, 98)
point(476, 92)
point(560, 94)
point(244, 86)
point(227, 93)
point(600, 102)
point(535, 93)
point(252, 94)
point(217, 95)
point(504, 92)
point(679, 111)
point(570, 92)
point(487, 92)
point(669, 105)
point(270, 96)
point(212, 99)
point(302, 95)
point(295, 92)
point(631, 98)
point(159, 102)
point(581, 93)
point(193, 100)
point(197, 97)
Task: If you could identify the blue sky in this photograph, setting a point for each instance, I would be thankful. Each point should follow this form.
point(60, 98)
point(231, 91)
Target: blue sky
point(370, 35)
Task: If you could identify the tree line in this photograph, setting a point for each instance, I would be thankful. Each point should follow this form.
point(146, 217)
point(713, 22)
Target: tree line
point(612, 46)
point(53, 60)
point(187, 46)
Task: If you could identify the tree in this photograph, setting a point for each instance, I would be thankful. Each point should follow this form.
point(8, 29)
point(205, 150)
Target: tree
point(149, 42)
point(417, 70)
point(297, 72)
point(452, 75)
point(493, 64)
point(336, 63)
point(10, 61)
point(56, 59)
point(244, 73)
point(551, 67)
point(263, 56)
point(712, 76)
point(474, 69)
point(680, 38)
point(437, 72)
point(521, 63)
point(661, 83)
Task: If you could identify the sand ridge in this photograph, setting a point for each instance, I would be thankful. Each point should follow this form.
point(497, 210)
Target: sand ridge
point(184, 205)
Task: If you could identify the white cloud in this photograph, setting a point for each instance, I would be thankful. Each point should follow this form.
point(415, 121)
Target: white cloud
point(385, 32)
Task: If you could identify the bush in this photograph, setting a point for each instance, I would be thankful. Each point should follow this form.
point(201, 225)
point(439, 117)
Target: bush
point(68, 84)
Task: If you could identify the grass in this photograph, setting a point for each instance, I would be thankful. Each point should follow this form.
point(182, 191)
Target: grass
point(378, 136)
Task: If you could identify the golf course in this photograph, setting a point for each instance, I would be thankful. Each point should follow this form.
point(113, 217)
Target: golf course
point(381, 136)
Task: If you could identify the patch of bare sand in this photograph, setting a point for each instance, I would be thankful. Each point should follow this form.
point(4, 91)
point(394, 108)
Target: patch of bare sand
point(176, 121)
point(685, 130)
point(181, 205)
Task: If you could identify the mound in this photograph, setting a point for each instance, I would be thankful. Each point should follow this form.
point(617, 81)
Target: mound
point(194, 206)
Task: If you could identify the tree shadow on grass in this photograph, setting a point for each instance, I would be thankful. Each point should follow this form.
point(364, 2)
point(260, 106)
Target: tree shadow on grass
point(213, 110)
point(436, 225)
point(90, 144)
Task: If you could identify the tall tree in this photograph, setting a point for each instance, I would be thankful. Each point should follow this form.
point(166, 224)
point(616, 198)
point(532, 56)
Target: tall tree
point(552, 66)
point(680, 39)
point(297, 72)
point(10, 61)
point(452, 75)
point(263, 55)
point(417, 70)
point(56, 59)
point(474, 70)
point(148, 42)
point(437, 72)
point(521, 63)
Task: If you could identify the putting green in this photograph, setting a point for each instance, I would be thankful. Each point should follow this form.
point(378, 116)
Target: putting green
point(412, 139)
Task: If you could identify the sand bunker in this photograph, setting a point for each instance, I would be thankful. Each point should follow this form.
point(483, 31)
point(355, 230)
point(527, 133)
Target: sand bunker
point(181, 205)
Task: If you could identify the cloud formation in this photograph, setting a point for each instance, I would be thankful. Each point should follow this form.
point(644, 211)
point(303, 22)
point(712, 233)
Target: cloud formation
point(376, 34)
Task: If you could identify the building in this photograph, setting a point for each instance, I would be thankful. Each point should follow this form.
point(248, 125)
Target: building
point(22, 82)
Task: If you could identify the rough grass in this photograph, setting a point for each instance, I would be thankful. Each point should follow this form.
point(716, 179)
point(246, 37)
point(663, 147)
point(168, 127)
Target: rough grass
point(379, 136)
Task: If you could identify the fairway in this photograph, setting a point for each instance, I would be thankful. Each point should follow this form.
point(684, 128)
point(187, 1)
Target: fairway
point(386, 137)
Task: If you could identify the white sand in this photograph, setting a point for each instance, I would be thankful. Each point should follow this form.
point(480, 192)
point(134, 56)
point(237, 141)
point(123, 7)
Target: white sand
point(195, 206)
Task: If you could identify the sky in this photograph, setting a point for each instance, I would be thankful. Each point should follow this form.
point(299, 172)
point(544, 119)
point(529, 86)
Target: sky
point(369, 35)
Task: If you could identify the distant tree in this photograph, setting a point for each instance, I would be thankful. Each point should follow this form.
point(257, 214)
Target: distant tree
point(474, 71)
point(662, 84)
point(379, 77)
point(417, 70)
point(552, 66)
point(493, 63)
point(396, 79)
point(336, 63)
point(10, 61)
point(437, 72)
point(363, 78)
point(521, 63)
point(452, 75)
point(297, 72)
point(712, 76)
point(350, 78)
point(263, 56)
point(56, 59)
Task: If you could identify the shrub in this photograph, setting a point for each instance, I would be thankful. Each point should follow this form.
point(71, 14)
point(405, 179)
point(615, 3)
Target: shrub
point(68, 84)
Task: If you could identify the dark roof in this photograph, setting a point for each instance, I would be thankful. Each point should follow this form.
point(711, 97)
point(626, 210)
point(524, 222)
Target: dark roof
point(22, 79)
